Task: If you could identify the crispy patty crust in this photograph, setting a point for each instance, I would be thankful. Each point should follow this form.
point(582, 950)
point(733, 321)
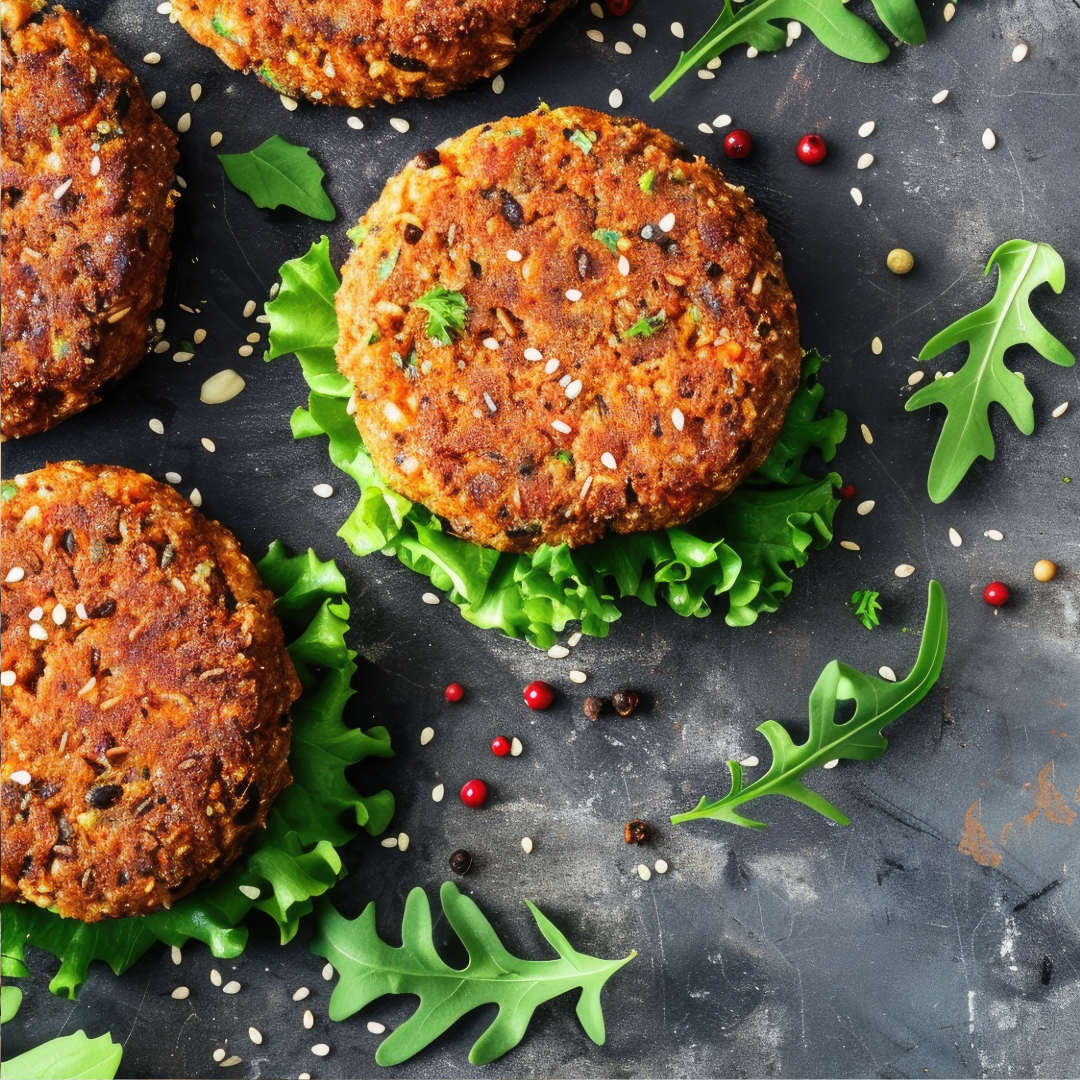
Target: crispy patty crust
point(87, 212)
point(146, 693)
point(630, 348)
point(359, 52)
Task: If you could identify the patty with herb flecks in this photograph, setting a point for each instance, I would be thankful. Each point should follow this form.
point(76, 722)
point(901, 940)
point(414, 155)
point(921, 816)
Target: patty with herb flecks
point(360, 52)
point(146, 692)
point(559, 326)
point(86, 213)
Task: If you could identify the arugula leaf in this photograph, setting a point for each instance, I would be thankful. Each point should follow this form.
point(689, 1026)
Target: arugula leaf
point(838, 29)
point(446, 310)
point(10, 1000)
point(278, 173)
point(645, 327)
point(369, 968)
point(743, 547)
point(877, 703)
point(293, 859)
point(71, 1057)
point(997, 326)
point(866, 607)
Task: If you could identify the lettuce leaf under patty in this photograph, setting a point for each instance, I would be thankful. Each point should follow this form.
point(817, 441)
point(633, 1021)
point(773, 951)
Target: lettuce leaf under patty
point(742, 549)
point(293, 859)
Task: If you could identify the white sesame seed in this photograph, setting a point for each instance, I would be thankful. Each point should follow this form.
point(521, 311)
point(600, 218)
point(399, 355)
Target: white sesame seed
point(249, 309)
point(705, 73)
point(389, 842)
point(514, 255)
point(328, 972)
point(915, 378)
point(955, 538)
point(320, 1049)
point(301, 994)
point(95, 165)
point(195, 498)
point(491, 343)
point(856, 196)
point(558, 652)
point(215, 976)
point(667, 222)
point(615, 98)
point(516, 747)
point(597, 10)
point(643, 872)
point(16, 573)
point(534, 355)
point(430, 598)
point(678, 419)
point(221, 387)
point(21, 777)
point(573, 389)
point(219, 1054)
point(161, 347)
point(498, 84)
point(398, 124)
point(989, 140)
point(355, 123)
point(594, 35)
point(904, 570)
point(196, 91)
point(850, 545)
point(61, 191)
point(176, 954)
point(152, 58)
point(865, 161)
point(639, 29)
point(80, 610)
point(180, 993)
point(7, 678)
point(867, 437)
point(1060, 410)
point(157, 427)
point(264, 318)
point(887, 672)
point(309, 1019)
point(165, 8)
point(438, 792)
point(275, 289)
point(36, 614)
point(527, 844)
point(608, 459)
point(245, 350)
point(324, 491)
point(624, 266)
point(994, 534)
point(749, 762)
point(864, 508)
point(255, 1035)
point(867, 129)
point(290, 104)
point(199, 337)
point(173, 477)
point(208, 445)
point(722, 121)
point(707, 128)
point(794, 29)
point(876, 346)
point(622, 48)
point(232, 987)
point(948, 12)
point(254, 336)
point(427, 734)
point(576, 676)
point(1019, 52)
point(303, 1076)
point(403, 841)
point(252, 892)
point(573, 295)
point(59, 614)
point(751, 52)
point(660, 866)
point(375, 1027)
point(489, 402)
point(585, 487)
point(183, 357)
point(157, 100)
point(677, 29)
point(235, 1059)
point(940, 96)
point(831, 764)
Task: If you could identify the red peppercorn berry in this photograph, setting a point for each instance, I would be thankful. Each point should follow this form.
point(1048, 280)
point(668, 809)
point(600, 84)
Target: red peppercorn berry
point(618, 8)
point(538, 695)
point(454, 692)
point(474, 793)
point(996, 594)
point(847, 491)
point(738, 143)
point(811, 150)
point(500, 746)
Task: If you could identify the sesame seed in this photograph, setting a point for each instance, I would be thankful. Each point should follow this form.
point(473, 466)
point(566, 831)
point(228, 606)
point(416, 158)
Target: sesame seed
point(573, 295)
point(527, 844)
point(994, 534)
point(251, 891)
point(403, 841)
point(208, 445)
point(290, 104)
point(850, 545)
point(576, 676)
point(219, 1054)
point(594, 35)
point(152, 58)
point(182, 357)
point(275, 289)
point(561, 426)
point(608, 459)
point(375, 1027)
point(904, 570)
point(324, 491)
point(867, 437)
point(513, 255)
point(491, 343)
point(865, 161)
point(678, 419)
point(915, 378)
point(722, 120)
point(157, 100)
point(597, 10)
point(438, 792)
point(704, 73)
point(624, 266)
point(643, 872)
point(320, 1049)
point(955, 538)
point(498, 84)
point(7, 678)
point(535, 354)
point(254, 336)
point(557, 652)
point(831, 764)
point(575, 637)
point(16, 573)
point(660, 866)
point(749, 762)
point(196, 91)
point(95, 165)
point(195, 498)
point(161, 347)
point(176, 954)
point(180, 993)
point(516, 747)
point(856, 196)
point(157, 427)
point(59, 614)
point(430, 598)
point(303, 1076)
point(948, 12)
point(585, 487)
point(489, 402)
point(159, 325)
point(1019, 52)
point(80, 610)
point(989, 140)
point(887, 672)
point(867, 129)
point(751, 52)
point(573, 389)
point(173, 477)
point(231, 987)
point(36, 614)
point(876, 346)
point(221, 387)
point(61, 191)
point(165, 8)
point(940, 96)
point(1060, 410)
point(21, 777)
point(622, 48)
point(667, 222)
point(255, 1035)
point(234, 1060)
point(427, 735)
point(215, 976)
point(389, 842)
point(399, 125)
point(639, 29)
point(355, 123)
point(713, 64)
point(615, 98)
point(864, 508)
point(264, 318)
point(215, 138)
point(707, 128)
point(677, 29)
point(245, 350)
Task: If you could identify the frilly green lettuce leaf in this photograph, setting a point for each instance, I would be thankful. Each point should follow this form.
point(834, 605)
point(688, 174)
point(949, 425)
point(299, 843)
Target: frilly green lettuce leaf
point(71, 1057)
point(743, 548)
point(293, 859)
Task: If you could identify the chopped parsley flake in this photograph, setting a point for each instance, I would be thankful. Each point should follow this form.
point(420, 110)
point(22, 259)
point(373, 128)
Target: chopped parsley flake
point(446, 313)
point(357, 234)
point(387, 264)
point(646, 181)
point(373, 335)
point(7, 491)
point(645, 327)
point(609, 238)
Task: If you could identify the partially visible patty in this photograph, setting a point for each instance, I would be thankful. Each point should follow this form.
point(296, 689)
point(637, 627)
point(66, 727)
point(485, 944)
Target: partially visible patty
point(86, 215)
point(146, 694)
point(359, 52)
point(559, 414)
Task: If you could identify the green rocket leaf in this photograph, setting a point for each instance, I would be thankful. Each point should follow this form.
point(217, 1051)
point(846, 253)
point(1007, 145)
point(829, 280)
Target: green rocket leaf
point(71, 1057)
point(997, 326)
point(837, 28)
point(277, 173)
point(369, 968)
point(877, 703)
point(865, 602)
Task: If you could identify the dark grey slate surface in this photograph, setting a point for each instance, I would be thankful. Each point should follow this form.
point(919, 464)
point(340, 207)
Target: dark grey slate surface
point(804, 950)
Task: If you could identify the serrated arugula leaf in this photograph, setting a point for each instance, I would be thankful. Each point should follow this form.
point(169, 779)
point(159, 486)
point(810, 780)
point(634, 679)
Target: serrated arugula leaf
point(277, 173)
point(10, 1000)
point(368, 969)
point(877, 703)
point(838, 29)
point(446, 313)
point(744, 547)
point(71, 1057)
point(997, 326)
point(290, 862)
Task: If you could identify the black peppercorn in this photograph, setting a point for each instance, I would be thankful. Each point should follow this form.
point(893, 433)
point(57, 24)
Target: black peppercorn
point(636, 831)
point(461, 862)
point(624, 702)
point(593, 707)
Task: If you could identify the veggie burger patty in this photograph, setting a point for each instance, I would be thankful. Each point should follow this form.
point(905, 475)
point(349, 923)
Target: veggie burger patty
point(557, 326)
point(87, 212)
point(358, 52)
point(146, 693)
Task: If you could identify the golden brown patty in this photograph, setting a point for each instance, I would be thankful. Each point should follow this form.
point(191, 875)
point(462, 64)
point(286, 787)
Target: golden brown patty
point(358, 52)
point(86, 213)
point(146, 692)
point(631, 345)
